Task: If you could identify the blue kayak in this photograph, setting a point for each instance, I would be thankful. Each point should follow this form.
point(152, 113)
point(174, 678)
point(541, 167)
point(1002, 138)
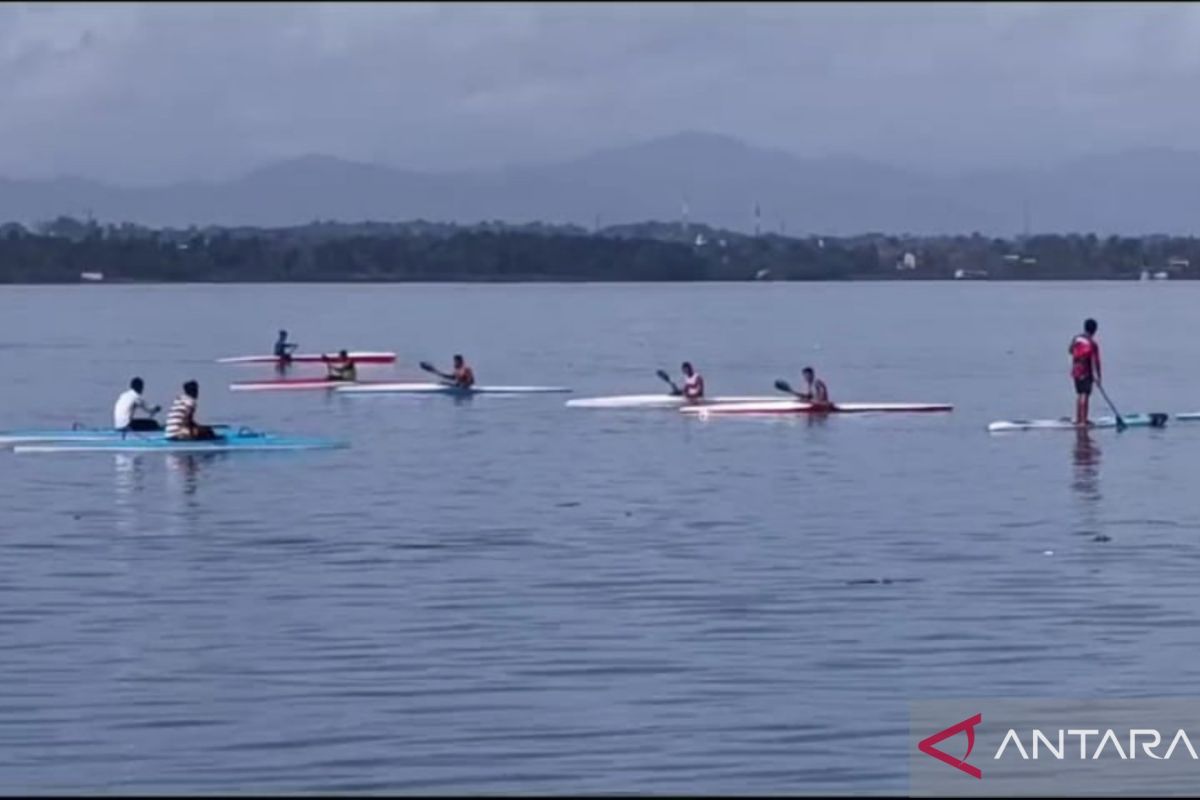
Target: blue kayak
point(79, 434)
point(241, 440)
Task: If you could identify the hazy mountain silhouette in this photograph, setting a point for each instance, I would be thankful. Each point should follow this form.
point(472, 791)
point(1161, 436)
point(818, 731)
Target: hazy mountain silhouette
point(720, 178)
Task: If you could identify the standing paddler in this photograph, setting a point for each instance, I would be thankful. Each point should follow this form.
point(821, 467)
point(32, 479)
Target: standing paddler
point(1085, 368)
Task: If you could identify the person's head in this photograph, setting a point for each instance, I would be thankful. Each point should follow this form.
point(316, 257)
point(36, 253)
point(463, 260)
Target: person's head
point(687, 368)
point(808, 374)
point(191, 389)
point(343, 354)
point(283, 334)
point(458, 361)
point(1089, 326)
point(137, 385)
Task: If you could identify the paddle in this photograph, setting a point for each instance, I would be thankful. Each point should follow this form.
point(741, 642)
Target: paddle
point(425, 365)
point(662, 374)
point(1120, 422)
point(784, 386)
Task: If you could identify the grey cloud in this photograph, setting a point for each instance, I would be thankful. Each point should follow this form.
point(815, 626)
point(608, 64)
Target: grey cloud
point(152, 93)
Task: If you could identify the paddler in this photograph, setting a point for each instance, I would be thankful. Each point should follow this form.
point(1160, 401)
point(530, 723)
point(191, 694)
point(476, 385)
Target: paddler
point(131, 401)
point(693, 383)
point(815, 392)
point(341, 369)
point(181, 420)
point(1085, 368)
point(284, 348)
point(462, 376)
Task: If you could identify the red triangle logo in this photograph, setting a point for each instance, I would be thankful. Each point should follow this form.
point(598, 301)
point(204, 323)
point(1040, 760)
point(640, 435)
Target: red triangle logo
point(926, 746)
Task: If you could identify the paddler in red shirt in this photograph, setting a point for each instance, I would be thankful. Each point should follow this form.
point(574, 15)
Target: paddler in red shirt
point(1085, 368)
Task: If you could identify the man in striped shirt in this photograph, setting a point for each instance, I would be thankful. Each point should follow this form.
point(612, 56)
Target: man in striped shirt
point(181, 420)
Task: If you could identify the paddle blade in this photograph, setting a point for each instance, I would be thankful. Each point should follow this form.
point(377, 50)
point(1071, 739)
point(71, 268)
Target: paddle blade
point(425, 365)
point(784, 386)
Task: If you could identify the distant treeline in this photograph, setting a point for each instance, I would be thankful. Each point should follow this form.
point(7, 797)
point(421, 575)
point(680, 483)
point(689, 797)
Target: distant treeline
point(63, 250)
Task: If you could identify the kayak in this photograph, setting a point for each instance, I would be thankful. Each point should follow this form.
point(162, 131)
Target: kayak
point(242, 440)
point(1191, 416)
point(1153, 420)
point(288, 385)
point(9, 438)
point(361, 357)
point(444, 389)
point(786, 407)
point(656, 401)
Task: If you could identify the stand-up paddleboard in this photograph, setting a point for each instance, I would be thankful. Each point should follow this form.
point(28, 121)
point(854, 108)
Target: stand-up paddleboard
point(1152, 420)
point(793, 407)
point(654, 401)
point(441, 388)
point(242, 440)
point(290, 385)
point(360, 357)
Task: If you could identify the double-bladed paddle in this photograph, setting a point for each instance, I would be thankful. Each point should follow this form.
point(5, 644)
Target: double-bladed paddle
point(425, 365)
point(662, 374)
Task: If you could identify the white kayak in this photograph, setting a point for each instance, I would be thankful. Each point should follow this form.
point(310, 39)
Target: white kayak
point(1191, 416)
point(289, 385)
point(793, 407)
point(1153, 420)
point(444, 389)
point(655, 401)
point(359, 356)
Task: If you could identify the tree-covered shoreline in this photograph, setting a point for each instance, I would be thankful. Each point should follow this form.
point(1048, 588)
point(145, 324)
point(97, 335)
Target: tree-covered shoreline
point(64, 250)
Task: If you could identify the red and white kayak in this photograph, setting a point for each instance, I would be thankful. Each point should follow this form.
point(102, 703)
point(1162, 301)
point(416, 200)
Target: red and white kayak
point(792, 407)
point(291, 385)
point(358, 356)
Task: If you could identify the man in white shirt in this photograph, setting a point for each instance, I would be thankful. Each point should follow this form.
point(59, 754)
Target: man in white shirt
point(131, 401)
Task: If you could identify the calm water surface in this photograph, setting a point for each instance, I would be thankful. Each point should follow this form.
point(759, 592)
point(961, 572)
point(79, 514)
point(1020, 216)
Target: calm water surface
point(505, 595)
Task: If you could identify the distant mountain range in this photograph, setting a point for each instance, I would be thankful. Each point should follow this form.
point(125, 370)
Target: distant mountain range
point(719, 178)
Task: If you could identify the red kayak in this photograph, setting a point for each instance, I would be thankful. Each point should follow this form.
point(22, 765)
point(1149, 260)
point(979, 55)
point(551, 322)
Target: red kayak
point(359, 357)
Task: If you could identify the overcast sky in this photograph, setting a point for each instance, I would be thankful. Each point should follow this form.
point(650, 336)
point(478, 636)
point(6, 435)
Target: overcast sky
point(160, 92)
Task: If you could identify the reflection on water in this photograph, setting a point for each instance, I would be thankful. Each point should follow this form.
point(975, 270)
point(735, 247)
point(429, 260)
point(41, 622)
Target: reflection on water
point(1086, 459)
